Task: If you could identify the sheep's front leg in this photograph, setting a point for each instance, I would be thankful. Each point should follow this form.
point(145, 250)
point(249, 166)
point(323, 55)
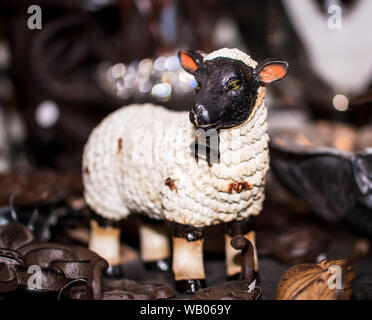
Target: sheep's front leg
point(155, 247)
point(188, 266)
point(233, 257)
point(105, 241)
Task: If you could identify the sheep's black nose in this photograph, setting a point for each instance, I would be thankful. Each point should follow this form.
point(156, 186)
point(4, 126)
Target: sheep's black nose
point(199, 115)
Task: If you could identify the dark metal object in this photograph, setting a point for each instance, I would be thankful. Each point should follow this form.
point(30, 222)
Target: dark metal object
point(69, 261)
point(59, 264)
point(240, 227)
point(188, 232)
point(190, 286)
point(63, 269)
point(31, 188)
point(127, 290)
point(239, 242)
point(232, 290)
point(336, 184)
point(162, 265)
point(39, 199)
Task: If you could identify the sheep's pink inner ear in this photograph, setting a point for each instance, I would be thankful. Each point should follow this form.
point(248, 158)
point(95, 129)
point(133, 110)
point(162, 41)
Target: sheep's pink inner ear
point(273, 72)
point(187, 62)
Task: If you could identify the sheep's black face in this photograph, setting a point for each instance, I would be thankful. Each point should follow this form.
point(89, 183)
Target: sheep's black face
point(226, 93)
point(227, 88)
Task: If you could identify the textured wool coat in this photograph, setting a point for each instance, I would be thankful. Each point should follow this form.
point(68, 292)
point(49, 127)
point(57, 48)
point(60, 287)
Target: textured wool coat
point(138, 159)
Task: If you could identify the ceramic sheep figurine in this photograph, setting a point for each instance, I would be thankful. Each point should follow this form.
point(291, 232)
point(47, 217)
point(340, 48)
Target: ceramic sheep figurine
point(146, 159)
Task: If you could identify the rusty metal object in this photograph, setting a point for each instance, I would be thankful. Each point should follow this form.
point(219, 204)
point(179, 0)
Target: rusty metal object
point(63, 268)
point(239, 242)
point(232, 290)
point(8, 279)
point(71, 261)
point(37, 187)
point(60, 264)
point(12, 237)
point(15, 235)
point(127, 290)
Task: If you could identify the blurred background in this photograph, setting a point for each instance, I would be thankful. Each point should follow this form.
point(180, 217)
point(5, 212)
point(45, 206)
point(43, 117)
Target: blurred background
point(90, 57)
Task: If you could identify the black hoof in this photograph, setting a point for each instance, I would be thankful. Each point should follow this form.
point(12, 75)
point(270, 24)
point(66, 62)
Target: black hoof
point(190, 286)
point(233, 277)
point(114, 272)
point(162, 265)
point(236, 276)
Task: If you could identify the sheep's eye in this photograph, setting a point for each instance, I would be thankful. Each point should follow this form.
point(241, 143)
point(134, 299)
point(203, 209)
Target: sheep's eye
point(197, 87)
point(233, 85)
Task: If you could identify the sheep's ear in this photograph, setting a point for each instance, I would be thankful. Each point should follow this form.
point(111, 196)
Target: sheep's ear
point(271, 70)
point(190, 60)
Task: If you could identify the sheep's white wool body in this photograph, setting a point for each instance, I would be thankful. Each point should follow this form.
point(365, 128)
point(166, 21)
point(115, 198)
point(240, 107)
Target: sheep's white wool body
point(133, 151)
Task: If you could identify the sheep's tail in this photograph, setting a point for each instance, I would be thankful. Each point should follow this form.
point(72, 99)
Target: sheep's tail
point(99, 168)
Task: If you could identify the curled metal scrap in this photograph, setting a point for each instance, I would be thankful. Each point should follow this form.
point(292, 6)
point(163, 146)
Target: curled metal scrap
point(125, 289)
point(231, 290)
point(59, 263)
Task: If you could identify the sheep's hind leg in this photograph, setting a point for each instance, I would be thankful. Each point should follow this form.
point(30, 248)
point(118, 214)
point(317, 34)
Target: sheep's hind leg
point(105, 241)
point(233, 257)
point(155, 247)
point(188, 267)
